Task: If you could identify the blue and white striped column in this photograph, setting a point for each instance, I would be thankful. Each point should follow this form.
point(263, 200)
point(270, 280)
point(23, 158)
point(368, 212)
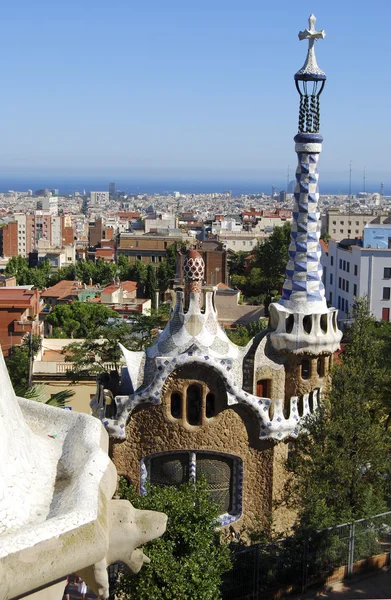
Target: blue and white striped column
point(303, 283)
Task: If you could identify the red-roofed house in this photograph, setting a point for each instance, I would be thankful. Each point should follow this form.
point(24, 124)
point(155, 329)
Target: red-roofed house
point(19, 310)
point(122, 296)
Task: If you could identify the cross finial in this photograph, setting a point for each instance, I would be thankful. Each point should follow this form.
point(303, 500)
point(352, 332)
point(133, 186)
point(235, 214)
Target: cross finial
point(310, 69)
point(311, 34)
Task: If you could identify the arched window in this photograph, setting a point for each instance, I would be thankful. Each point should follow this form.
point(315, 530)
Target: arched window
point(176, 405)
point(193, 405)
point(320, 366)
point(217, 471)
point(263, 388)
point(169, 469)
point(307, 323)
point(289, 322)
point(305, 369)
point(210, 405)
point(223, 474)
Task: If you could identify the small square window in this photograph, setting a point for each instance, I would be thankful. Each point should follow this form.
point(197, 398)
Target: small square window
point(305, 369)
point(387, 273)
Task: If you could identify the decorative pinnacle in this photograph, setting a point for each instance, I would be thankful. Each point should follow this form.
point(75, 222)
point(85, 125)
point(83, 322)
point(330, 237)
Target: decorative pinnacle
point(310, 70)
point(311, 34)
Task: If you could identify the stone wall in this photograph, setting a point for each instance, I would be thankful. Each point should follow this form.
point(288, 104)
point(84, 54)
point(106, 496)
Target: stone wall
point(232, 430)
point(283, 517)
point(295, 384)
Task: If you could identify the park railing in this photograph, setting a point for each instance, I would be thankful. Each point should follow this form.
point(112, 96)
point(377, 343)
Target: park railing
point(291, 565)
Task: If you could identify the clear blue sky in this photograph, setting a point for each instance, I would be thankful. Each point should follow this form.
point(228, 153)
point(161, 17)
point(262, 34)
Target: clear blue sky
point(199, 88)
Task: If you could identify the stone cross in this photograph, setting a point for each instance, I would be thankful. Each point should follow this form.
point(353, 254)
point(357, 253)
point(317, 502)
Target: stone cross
point(311, 34)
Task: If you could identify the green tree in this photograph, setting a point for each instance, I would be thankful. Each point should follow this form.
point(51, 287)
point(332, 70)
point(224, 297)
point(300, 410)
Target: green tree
point(341, 468)
point(79, 319)
point(189, 559)
point(237, 263)
point(18, 361)
point(101, 347)
point(137, 272)
point(271, 256)
point(151, 285)
point(171, 259)
point(244, 333)
point(163, 275)
point(17, 266)
point(18, 366)
point(37, 392)
point(123, 267)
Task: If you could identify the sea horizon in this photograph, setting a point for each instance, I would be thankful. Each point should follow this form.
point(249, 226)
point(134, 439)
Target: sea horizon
point(135, 186)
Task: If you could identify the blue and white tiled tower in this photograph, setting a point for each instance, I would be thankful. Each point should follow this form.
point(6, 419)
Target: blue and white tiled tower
point(301, 320)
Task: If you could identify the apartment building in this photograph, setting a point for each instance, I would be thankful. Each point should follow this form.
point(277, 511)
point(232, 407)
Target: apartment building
point(149, 248)
point(342, 226)
point(9, 239)
point(19, 310)
point(23, 235)
point(354, 268)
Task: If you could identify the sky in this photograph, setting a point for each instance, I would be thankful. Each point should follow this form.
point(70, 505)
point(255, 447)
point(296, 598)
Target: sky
point(200, 89)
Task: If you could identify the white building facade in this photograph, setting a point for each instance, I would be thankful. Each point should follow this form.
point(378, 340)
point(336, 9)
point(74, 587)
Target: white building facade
point(352, 270)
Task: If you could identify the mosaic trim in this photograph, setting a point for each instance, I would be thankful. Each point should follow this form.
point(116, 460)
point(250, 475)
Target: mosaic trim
point(278, 427)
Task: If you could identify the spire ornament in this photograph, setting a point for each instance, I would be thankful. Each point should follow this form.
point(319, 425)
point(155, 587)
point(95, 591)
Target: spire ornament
point(310, 73)
point(301, 320)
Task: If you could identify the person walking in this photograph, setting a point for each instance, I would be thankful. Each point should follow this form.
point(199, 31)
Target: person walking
point(82, 588)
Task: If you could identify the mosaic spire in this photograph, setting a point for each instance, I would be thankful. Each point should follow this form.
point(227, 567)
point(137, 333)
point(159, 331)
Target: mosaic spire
point(301, 320)
point(303, 281)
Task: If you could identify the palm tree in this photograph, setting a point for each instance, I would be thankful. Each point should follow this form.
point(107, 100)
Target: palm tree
point(37, 393)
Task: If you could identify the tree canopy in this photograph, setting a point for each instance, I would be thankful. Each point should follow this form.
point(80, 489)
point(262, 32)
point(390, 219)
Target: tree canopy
point(189, 559)
point(79, 319)
point(263, 278)
point(101, 344)
point(341, 467)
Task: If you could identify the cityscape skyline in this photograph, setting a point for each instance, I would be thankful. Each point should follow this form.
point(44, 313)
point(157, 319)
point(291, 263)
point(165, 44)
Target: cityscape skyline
point(69, 183)
point(182, 89)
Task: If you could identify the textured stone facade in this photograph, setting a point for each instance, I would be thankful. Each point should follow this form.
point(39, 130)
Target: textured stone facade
point(231, 431)
point(305, 373)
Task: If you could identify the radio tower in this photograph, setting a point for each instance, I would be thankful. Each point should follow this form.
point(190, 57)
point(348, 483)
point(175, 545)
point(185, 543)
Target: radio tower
point(350, 187)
